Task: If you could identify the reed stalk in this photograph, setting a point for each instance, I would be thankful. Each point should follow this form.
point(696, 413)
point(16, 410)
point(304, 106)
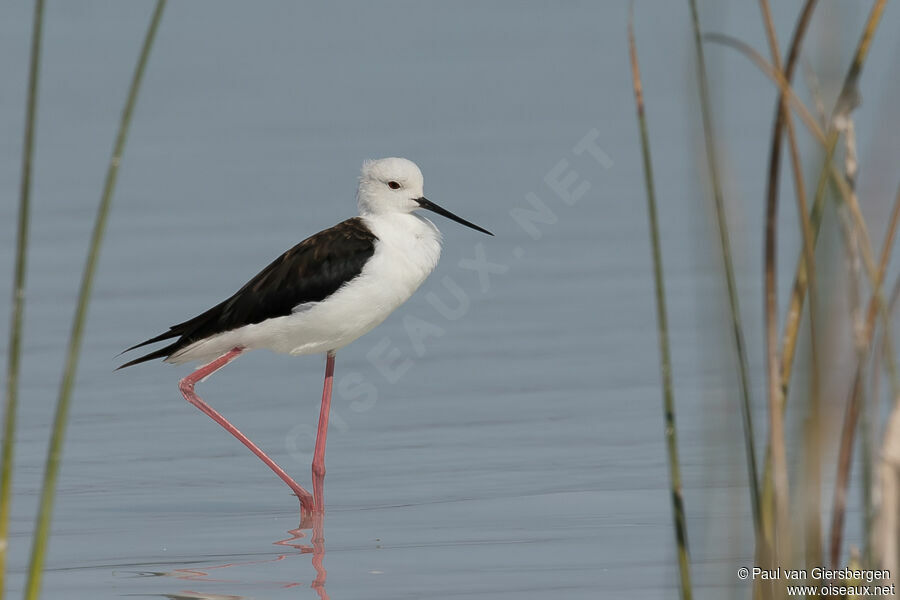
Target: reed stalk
point(54, 455)
point(886, 531)
point(779, 541)
point(857, 240)
point(885, 539)
point(665, 363)
point(811, 455)
point(830, 172)
point(869, 509)
point(828, 139)
point(847, 101)
point(848, 195)
point(775, 75)
point(725, 242)
point(854, 402)
point(18, 301)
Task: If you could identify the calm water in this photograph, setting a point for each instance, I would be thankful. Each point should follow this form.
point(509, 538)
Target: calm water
point(510, 445)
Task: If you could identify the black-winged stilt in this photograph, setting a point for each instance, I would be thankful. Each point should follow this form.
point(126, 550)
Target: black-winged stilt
point(319, 296)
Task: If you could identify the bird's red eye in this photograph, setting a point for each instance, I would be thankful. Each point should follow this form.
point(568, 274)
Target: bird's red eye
point(393, 185)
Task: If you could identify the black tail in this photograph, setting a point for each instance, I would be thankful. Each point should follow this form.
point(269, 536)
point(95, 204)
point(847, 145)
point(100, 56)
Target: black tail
point(190, 331)
point(163, 336)
point(185, 332)
point(161, 353)
point(182, 331)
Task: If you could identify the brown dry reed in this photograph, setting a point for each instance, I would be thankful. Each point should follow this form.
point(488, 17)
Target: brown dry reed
point(781, 539)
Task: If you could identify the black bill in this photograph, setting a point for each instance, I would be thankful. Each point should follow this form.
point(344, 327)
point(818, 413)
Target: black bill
point(429, 205)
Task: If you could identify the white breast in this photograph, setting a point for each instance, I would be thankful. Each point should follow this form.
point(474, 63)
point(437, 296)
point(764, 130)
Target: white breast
point(407, 251)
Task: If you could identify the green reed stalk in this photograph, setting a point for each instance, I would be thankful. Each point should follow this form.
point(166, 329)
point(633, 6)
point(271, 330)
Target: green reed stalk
point(725, 241)
point(812, 488)
point(665, 362)
point(779, 482)
point(18, 311)
point(54, 455)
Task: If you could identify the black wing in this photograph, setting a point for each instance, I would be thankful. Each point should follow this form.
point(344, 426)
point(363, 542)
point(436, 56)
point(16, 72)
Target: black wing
point(309, 272)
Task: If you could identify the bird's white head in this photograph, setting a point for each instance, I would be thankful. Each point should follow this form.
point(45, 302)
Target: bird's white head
point(390, 185)
point(396, 185)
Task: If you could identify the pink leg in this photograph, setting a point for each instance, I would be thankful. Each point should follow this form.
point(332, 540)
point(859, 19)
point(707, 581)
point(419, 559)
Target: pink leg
point(318, 464)
point(186, 386)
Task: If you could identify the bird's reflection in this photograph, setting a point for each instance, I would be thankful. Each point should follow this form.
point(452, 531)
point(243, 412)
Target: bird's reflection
point(307, 538)
point(314, 523)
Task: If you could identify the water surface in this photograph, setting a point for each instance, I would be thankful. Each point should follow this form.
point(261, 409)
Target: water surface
point(512, 447)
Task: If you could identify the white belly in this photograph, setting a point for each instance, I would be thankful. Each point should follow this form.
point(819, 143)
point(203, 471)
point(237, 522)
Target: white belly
point(407, 251)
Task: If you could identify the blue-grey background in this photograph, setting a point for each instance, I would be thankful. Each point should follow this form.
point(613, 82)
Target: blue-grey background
point(521, 453)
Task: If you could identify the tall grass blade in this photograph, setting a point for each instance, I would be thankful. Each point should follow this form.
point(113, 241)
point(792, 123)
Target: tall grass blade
point(54, 455)
point(828, 139)
point(665, 362)
point(812, 457)
point(725, 241)
point(869, 509)
point(847, 101)
point(18, 311)
point(775, 75)
point(777, 531)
